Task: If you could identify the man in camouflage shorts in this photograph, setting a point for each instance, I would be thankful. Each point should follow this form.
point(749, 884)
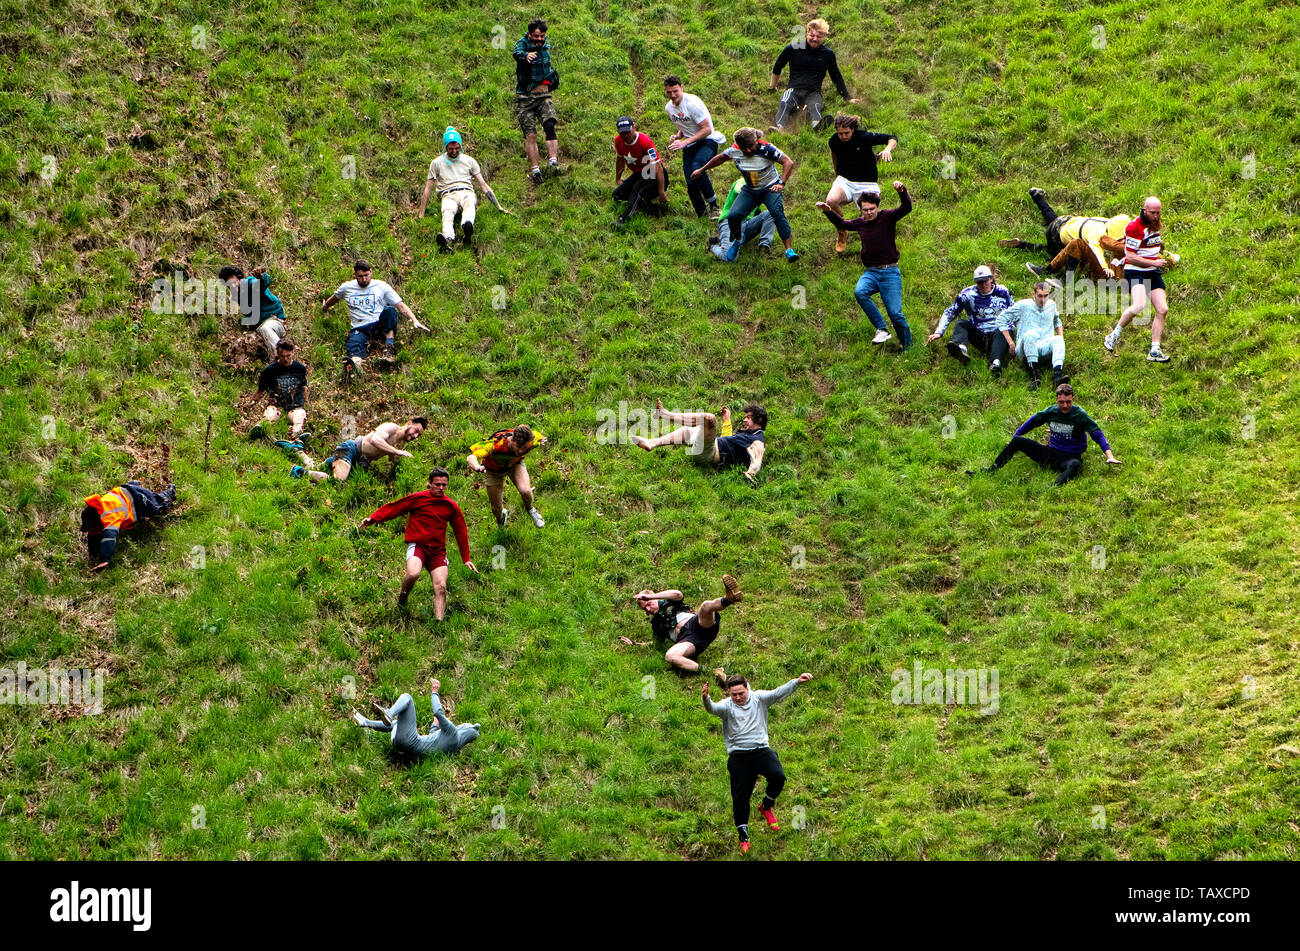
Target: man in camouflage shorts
point(535, 80)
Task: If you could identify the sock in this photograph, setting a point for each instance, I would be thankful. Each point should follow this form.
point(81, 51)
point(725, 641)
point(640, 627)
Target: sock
point(555, 161)
point(767, 803)
point(537, 168)
point(1118, 328)
point(725, 602)
point(744, 832)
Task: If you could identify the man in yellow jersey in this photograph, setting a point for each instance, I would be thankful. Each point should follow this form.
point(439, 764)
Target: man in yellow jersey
point(1076, 242)
point(500, 455)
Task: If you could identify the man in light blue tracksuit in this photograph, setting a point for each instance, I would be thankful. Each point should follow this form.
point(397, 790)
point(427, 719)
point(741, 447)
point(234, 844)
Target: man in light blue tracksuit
point(744, 728)
point(406, 738)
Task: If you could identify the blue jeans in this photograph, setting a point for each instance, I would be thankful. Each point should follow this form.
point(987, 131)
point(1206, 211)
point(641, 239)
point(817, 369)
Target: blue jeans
point(888, 283)
point(359, 337)
point(760, 226)
point(750, 198)
point(699, 190)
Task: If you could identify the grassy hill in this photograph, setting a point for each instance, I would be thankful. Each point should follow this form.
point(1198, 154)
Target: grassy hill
point(1141, 619)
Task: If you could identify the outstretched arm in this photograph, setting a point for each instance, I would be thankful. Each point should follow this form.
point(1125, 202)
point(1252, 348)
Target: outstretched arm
point(424, 199)
point(672, 594)
point(401, 306)
point(755, 460)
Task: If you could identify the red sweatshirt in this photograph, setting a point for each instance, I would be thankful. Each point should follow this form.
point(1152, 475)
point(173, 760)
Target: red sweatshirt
point(428, 520)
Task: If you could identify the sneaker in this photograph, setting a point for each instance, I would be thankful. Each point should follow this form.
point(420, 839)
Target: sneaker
point(297, 472)
point(770, 816)
point(1157, 356)
point(715, 210)
point(303, 437)
point(390, 351)
point(775, 128)
point(401, 599)
point(555, 166)
point(791, 254)
point(356, 365)
point(503, 518)
point(882, 336)
point(734, 594)
point(536, 176)
point(1035, 192)
point(358, 719)
point(995, 368)
point(467, 232)
point(720, 676)
point(1035, 382)
point(381, 710)
point(1058, 380)
point(1110, 340)
point(959, 351)
point(1036, 269)
point(1009, 243)
point(289, 445)
point(443, 243)
point(619, 224)
point(258, 431)
point(536, 516)
point(734, 249)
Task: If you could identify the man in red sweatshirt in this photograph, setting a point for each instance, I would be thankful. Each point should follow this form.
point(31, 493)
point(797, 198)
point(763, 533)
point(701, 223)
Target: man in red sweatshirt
point(426, 536)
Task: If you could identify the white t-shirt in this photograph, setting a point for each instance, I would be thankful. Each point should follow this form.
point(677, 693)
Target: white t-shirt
point(447, 174)
point(688, 116)
point(366, 303)
point(682, 618)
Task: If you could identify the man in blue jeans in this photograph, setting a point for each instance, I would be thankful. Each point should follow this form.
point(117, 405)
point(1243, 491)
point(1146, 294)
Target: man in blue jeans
point(757, 163)
point(696, 139)
point(373, 307)
point(880, 260)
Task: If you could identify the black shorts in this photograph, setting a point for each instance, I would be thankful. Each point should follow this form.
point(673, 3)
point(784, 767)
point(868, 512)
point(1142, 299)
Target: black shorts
point(701, 637)
point(1151, 280)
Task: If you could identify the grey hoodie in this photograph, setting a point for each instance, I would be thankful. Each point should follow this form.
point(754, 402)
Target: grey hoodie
point(745, 727)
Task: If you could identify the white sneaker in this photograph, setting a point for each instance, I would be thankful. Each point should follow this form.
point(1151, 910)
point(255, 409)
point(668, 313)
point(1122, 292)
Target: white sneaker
point(1158, 356)
point(536, 516)
point(503, 518)
point(356, 365)
point(882, 336)
point(1111, 339)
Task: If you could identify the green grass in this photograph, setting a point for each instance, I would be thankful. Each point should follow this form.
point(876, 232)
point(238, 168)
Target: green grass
point(1121, 687)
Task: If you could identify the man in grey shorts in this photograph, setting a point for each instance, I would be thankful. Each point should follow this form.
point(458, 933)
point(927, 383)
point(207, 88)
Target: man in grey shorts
point(399, 720)
point(707, 447)
point(386, 439)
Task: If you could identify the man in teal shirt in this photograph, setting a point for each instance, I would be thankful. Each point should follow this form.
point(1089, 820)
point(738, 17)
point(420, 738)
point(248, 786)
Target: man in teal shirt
point(1068, 430)
point(1038, 332)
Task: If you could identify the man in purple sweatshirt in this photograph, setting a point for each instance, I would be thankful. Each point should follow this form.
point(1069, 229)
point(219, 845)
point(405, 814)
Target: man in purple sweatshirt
point(880, 259)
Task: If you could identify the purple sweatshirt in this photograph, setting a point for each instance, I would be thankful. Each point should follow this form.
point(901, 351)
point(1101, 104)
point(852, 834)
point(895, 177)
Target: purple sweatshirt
point(878, 247)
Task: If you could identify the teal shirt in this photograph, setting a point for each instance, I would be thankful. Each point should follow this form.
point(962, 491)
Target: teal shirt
point(1028, 322)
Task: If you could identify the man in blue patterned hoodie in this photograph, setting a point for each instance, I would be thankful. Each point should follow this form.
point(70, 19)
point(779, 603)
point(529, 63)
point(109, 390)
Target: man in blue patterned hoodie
point(983, 301)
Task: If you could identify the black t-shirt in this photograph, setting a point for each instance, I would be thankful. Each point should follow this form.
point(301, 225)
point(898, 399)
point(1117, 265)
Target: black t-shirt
point(856, 158)
point(734, 450)
point(664, 621)
point(285, 384)
point(809, 66)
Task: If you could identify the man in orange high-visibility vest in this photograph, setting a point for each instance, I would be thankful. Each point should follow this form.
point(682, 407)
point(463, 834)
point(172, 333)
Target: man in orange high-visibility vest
point(109, 514)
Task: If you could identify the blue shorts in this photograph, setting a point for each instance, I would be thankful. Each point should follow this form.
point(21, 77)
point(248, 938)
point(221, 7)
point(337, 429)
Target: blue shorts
point(349, 451)
point(1150, 280)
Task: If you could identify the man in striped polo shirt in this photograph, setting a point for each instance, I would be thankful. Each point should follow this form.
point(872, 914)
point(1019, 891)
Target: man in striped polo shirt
point(1068, 430)
point(1145, 261)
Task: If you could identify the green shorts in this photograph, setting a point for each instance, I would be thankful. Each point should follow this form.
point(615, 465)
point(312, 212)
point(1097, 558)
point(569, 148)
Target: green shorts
point(533, 109)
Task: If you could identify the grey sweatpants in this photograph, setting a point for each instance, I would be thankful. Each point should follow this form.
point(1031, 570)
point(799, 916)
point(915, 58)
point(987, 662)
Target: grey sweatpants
point(448, 738)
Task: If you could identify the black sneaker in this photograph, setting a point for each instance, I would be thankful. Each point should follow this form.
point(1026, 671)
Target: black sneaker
point(390, 351)
point(467, 229)
point(712, 242)
point(955, 349)
point(536, 176)
point(443, 244)
point(715, 211)
point(995, 369)
point(1036, 269)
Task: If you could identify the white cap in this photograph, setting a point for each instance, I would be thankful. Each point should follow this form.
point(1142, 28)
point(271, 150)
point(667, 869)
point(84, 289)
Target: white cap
point(983, 273)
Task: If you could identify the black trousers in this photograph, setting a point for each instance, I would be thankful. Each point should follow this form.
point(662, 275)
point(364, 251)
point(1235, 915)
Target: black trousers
point(991, 342)
point(1067, 464)
point(638, 192)
point(745, 767)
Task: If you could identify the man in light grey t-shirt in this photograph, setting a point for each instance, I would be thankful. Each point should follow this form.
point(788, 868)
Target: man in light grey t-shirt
point(744, 728)
point(372, 307)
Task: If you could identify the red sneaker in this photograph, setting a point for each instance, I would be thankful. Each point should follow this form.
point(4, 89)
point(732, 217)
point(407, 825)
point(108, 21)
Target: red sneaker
point(744, 847)
point(770, 816)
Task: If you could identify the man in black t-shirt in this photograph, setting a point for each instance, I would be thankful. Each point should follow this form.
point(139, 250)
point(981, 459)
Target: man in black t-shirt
point(853, 157)
point(810, 60)
point(672, 619)
point(284, 383)
point(699, 432)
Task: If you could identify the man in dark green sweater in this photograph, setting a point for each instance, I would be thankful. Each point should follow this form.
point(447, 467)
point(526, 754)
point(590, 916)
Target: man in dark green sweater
point(1068, 430)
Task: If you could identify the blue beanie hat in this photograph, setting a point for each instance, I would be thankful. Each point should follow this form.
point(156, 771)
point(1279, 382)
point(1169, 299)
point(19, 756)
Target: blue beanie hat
point(451, 135)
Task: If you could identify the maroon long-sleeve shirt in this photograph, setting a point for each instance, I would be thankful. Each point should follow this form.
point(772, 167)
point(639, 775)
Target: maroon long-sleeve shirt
point(428, 520)
point(878, 247)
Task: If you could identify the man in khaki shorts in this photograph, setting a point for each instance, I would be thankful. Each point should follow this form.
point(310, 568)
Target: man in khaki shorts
point(500, 455)
point(386, 439)
point(535, 80)
point(709, 445)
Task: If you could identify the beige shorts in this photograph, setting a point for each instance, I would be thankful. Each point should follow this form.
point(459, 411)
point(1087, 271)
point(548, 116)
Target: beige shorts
point(703, 450)
point(498, 479)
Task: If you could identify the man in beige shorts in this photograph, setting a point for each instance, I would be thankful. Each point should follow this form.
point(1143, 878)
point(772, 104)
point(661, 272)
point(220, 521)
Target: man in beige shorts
point(501, 455)
point(709, 446)
point(535, 81)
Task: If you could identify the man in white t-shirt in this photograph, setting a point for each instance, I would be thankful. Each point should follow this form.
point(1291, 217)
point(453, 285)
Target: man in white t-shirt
point(696, 139)
point(454, 175)
point(372, 307)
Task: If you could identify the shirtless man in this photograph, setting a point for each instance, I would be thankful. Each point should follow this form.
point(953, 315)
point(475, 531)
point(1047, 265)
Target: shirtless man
point(386, 439)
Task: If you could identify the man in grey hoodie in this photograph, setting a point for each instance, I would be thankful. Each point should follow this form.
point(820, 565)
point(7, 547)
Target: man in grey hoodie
point(406, 738)
point(744, 728)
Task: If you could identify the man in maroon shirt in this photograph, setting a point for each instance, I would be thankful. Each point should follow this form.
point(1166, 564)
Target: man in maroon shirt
point(426, 536)
point(880, 258)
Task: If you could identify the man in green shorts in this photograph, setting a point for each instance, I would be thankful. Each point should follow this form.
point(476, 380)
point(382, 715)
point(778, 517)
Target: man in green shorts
point(535, 81)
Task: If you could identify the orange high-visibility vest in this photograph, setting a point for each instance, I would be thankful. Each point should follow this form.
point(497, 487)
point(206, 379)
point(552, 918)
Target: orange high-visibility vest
point(116, 508)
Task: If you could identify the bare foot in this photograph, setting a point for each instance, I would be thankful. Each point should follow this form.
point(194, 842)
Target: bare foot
point(640, 441)
point(100, 567)
point(626, 640)
point(660, 412)
point(720, 676)
point(435, 684)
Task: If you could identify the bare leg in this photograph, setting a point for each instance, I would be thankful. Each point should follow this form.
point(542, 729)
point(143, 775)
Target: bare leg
point(297, 420)
point(678, 437)
point(409, 577)
point(553, 149)
point(836, 199)
point(707, 420)
point(494, 494)
point(708, 612)
point(519, 475)
point(1160, 304)
point(439, 576)
point(530, 146)
point(679, 655)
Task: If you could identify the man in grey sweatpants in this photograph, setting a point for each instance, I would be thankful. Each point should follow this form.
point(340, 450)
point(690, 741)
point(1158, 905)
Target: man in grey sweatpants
point(400, 720)
point(744, 728)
